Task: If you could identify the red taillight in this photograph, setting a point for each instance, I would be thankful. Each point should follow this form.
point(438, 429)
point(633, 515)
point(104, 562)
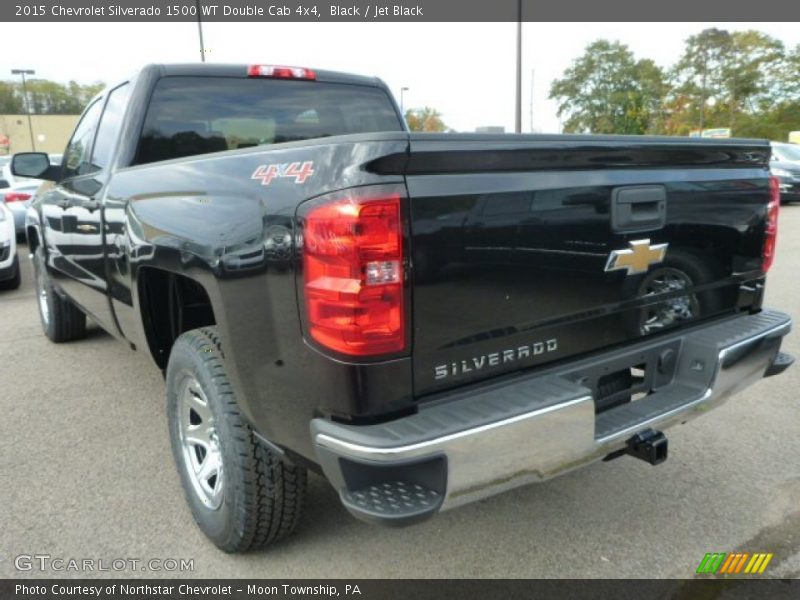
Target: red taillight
point(280, 72)
point(770, 240)
point(353, 274)
point(17, 197)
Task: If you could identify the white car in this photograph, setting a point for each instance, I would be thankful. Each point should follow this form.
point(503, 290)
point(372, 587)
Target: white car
point(9, 263)
point(786, 153)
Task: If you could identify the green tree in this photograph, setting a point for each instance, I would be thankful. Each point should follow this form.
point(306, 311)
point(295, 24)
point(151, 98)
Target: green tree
point(607, 90)
point(425, 119)
point(751, 73)
point(744, 80)
point(10, 102)
point(46, 97)
point(699, 74)
point(722, 76)
point(788, 76)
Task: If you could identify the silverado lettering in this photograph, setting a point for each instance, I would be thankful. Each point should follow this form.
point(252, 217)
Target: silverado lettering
point(495, 358)
point(418, 318)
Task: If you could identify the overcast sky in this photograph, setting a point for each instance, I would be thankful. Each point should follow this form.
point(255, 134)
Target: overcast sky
point(465, 70)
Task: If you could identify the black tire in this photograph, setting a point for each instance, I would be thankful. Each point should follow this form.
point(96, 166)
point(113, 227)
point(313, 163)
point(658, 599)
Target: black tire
point(63, 321)
point(261, 496)
point(15, 280)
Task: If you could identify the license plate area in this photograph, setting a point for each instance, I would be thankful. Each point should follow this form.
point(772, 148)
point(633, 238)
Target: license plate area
point(628, 377)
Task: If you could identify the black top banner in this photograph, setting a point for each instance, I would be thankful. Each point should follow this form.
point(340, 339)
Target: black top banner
point(398, 10)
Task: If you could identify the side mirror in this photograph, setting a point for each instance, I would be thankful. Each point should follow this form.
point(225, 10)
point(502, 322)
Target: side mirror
point(35, 165)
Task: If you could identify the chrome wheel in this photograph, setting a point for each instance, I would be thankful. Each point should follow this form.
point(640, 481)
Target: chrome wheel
point(200, 443)
point(41, 293)
point(665, 314)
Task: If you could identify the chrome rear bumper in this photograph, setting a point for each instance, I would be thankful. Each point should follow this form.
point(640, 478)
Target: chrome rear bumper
point(495, 437)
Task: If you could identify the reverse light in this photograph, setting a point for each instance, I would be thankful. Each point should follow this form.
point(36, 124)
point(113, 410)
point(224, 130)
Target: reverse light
point(353, 273)
point(17, 197)
point(279, 72)
point(770, 240)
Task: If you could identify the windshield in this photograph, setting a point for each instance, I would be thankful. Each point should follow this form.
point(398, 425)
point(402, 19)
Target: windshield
point(197, 115)
point(788, 152)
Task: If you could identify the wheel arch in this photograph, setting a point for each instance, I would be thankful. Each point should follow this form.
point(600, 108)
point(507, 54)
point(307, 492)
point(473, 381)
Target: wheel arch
point(170, 304)
point(32, 235)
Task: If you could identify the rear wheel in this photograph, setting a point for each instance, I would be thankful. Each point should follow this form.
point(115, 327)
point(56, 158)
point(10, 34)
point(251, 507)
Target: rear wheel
point(242, 494)
point(62, 321)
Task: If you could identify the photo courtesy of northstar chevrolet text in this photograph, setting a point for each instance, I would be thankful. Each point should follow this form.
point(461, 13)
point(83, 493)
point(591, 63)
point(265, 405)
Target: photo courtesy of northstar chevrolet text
point(359, 290)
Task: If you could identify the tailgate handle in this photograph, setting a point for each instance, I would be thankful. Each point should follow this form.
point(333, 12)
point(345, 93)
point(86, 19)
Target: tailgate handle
point(638, 208)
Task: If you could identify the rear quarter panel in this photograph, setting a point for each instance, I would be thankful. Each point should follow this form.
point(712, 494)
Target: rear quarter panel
point(207, 218)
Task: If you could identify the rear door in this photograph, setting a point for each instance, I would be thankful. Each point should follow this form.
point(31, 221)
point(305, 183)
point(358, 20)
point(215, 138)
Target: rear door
point(587, 244)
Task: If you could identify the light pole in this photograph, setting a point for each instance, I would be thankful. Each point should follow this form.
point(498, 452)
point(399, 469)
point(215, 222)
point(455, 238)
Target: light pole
point(403, 90)
point(200, 32)
point(533, 75)
point(518, 110)
point(24, 72)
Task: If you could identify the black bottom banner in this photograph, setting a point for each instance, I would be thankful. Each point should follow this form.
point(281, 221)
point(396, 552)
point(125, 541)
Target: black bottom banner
point(389, 589)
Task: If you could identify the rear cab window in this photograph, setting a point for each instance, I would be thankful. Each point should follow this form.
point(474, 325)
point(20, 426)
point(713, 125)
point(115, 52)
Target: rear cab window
point(197, 115)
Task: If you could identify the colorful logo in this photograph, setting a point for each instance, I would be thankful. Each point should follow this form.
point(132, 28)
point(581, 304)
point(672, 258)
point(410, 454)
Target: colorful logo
point(296, 170)
point(734, 563)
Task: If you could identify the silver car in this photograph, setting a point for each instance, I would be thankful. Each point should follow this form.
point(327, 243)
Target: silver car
point(20, 192)
point(17, 198)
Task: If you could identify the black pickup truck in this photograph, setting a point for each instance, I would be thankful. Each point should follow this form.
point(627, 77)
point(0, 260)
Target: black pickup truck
point(424, 319)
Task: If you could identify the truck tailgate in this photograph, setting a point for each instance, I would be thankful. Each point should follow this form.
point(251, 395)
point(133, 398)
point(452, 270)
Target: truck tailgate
point(531, 249)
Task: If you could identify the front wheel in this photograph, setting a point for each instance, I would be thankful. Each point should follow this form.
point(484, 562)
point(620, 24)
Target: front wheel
point(62, 321)
point(242, 494)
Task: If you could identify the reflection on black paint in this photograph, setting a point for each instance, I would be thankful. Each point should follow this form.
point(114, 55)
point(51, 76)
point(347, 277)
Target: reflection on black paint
point(525, 266)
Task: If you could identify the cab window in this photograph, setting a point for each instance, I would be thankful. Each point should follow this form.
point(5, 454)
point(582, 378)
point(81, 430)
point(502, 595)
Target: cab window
point(76, 158)
point(109, 126)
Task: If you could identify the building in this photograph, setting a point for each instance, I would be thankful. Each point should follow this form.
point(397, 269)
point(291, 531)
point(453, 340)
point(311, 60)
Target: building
point(490, 129)
point(50, 132)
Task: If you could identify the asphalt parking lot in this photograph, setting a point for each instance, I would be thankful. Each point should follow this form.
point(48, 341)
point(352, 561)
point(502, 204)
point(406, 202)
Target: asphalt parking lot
point(86, 472)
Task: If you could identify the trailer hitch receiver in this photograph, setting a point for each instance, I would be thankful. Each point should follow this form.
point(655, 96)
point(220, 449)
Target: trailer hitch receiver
point(648, 445)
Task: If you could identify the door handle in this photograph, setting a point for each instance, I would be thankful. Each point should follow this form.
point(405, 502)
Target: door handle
point(91, 205)
point(64, 203)
point(638, 208)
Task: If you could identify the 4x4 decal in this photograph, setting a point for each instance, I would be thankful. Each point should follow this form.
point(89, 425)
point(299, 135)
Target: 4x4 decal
point(296, 170)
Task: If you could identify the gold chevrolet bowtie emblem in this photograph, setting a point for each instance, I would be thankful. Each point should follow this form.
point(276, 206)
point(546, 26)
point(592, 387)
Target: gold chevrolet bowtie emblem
point(637, 258)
